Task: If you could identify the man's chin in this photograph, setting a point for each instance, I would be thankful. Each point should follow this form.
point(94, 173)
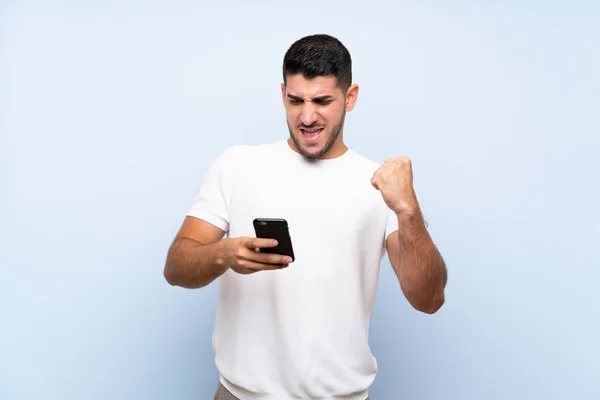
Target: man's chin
point(311, 152)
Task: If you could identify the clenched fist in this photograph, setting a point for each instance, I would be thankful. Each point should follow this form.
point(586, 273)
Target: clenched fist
point(394, 179)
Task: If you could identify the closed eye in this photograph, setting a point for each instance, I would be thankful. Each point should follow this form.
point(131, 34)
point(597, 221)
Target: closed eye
point(322, 101)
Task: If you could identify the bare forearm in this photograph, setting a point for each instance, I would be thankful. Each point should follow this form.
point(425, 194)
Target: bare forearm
point(422, 271)
point(193, 265)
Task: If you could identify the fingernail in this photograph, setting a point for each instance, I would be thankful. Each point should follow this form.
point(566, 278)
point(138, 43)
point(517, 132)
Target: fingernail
point(274, 242)
point(288, 260)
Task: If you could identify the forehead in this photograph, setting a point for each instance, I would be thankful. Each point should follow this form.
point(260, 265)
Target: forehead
point(321, 85)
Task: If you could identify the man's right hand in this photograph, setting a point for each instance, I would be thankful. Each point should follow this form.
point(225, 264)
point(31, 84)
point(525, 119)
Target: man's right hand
point(244, 257)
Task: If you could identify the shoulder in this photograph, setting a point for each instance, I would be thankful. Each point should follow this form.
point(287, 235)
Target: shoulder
point(240, 156)
point(360, 162)
point(238, 151)
point(232, 153)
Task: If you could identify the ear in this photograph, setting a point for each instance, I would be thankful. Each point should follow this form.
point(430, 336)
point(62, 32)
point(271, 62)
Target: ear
point(283, 93)
point(351, 97)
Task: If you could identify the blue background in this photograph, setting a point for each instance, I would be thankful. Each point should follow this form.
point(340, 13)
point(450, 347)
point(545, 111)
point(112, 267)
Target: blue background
point(111, 112)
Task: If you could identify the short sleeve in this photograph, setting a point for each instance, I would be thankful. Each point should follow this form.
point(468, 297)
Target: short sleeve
point(211, 202)
point(392, 223)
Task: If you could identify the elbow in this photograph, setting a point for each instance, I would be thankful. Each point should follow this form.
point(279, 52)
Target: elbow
point(433, 305)
point(176, 277)
point(169, 275)
point(425, 300)
point(171, 272)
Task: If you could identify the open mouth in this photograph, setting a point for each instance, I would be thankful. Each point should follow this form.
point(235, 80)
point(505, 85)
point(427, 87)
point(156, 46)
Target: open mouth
point(311, 134)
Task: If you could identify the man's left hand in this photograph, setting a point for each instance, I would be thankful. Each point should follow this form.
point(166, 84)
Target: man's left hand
point(394, 179)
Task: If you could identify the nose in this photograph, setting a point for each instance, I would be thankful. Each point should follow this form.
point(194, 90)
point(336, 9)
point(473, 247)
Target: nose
point(309, 114)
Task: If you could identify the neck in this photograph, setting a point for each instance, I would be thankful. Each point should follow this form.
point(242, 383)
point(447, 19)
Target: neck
point(338, 150)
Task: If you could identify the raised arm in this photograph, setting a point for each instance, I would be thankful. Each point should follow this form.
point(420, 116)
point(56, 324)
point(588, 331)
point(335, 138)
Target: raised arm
point(416, 260)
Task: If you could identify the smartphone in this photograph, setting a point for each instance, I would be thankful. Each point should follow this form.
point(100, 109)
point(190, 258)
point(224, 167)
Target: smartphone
point(278, 229)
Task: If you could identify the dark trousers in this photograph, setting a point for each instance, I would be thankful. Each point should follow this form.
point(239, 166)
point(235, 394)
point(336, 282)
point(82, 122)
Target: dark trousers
point(224, 394)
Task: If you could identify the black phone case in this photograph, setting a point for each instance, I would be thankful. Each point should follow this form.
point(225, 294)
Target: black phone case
point(278, 229)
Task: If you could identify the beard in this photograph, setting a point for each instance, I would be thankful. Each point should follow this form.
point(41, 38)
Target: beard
point(329, 143)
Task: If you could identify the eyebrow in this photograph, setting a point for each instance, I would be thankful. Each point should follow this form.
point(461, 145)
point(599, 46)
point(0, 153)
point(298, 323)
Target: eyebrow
point(318, 98)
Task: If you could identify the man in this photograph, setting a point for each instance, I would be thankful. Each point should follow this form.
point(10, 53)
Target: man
point(299, 330)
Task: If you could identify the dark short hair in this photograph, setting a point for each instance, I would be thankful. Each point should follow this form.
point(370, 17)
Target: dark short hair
point(319, 55)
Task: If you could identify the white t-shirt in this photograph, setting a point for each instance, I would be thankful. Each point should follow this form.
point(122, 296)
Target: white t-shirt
point(300, 332)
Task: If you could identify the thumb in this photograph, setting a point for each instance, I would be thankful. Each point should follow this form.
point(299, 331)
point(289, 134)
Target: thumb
point(375, 183)
point(258, 243)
